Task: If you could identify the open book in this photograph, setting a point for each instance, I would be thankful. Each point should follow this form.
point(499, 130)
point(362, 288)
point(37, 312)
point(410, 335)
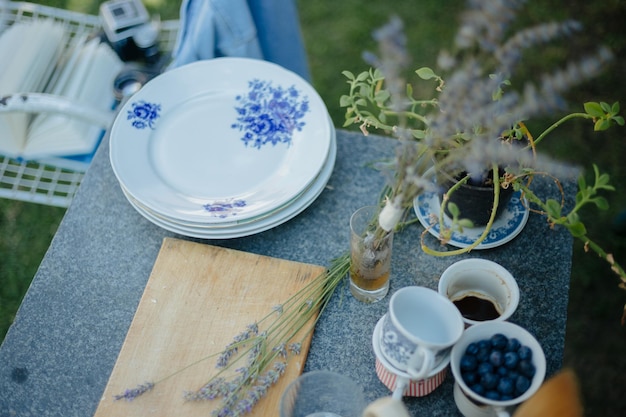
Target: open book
point(80, 69)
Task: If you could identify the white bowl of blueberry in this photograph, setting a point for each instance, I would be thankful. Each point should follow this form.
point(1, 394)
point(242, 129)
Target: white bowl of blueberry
point(497, 364)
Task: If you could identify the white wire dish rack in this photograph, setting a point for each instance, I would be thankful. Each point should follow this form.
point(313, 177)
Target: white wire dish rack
point(49, 183)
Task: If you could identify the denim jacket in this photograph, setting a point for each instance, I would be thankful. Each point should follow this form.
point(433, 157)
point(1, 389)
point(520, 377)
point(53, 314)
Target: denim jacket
point(262, 29)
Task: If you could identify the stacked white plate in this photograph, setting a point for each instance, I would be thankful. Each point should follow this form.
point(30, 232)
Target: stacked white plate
point(223, 148)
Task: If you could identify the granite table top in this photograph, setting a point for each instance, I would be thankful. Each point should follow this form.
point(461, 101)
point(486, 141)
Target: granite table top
point(59, 353)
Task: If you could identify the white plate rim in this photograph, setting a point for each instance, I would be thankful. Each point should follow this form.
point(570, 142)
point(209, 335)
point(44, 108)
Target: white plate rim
point(259, 226)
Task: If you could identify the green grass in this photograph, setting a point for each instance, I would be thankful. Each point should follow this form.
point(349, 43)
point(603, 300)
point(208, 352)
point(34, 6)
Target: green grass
point(336, 33)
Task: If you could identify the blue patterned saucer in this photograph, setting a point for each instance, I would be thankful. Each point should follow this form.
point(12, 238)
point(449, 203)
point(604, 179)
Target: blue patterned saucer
point(506, 227)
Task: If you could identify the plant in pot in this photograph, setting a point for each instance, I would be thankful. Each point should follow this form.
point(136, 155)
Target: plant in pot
point(473, 131)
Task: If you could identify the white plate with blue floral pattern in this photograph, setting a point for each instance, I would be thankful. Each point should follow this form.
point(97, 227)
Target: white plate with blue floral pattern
point(220, 140)
point(274, 219)
point(505, 228)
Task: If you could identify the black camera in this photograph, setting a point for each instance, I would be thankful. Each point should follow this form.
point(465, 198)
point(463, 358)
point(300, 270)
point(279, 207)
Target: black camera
point(130, 31)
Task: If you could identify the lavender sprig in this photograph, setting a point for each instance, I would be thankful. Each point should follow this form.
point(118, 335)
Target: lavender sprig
point(131, 394)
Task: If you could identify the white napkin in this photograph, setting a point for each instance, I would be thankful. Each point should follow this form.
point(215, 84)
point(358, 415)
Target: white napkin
point(261, 29)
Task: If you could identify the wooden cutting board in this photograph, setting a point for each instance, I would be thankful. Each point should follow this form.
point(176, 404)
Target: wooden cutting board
point(198, 297)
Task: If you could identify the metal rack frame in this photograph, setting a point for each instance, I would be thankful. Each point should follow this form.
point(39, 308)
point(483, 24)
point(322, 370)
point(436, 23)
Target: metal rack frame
point(37, 182)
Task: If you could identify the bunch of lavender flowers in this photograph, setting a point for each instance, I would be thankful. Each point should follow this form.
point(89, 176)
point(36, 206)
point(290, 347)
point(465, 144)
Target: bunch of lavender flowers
point(257, 357)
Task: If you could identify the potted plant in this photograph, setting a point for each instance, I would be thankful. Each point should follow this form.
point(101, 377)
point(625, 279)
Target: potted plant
point(475, 126)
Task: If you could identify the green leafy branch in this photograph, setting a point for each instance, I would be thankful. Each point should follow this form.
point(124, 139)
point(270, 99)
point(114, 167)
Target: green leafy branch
point(369, 104)
point(587, 194)
point(602, 114)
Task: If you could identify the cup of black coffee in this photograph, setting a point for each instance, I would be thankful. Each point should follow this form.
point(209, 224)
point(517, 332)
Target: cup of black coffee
point(482, 290)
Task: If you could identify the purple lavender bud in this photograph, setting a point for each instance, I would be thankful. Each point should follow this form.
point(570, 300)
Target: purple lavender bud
point(131, 394)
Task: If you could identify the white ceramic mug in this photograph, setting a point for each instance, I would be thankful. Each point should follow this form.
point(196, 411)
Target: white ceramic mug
point(399, 382)
point(470, 282)
point(419, 330)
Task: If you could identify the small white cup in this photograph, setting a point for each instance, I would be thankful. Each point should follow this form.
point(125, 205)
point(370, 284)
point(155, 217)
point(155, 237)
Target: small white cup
point(399, 382)
point(471, 404)
point(419, 330)
point(473, 284)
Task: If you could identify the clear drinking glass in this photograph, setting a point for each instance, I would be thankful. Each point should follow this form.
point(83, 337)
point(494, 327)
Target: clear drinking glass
point(322, 394)
point(370, 256)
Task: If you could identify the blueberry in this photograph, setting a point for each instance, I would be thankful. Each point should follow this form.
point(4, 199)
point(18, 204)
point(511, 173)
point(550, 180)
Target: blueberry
point(483, 354)
point(470, 378)
point(489, 380)
point(525, 353)
point(513, 345)
point(511, 359)
point(506, 386)
point(521, 385)
point(478, 389)
point(496, 358)
point(484, 344)
point(499, 341)
point(472, 349)
point(468, 362)
point(484, 368)
point(513, 373)
point(526, 368)
point(502, 371)
point(506, 397)
point(493, 395)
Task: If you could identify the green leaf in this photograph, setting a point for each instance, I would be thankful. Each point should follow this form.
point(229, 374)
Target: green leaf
point(615, 108)
point(601, 202)
point(593, 109)
point(362, 76)
point(453, 209)
point(349, 121)
point(419, 134)
point(382, 96)
point(606, 107)
point(349, 75)
point(580, 196)
point(425, 73)
point(601, 124)
point(345, 101)
point(603, 180)
point(619, 120)
point(582, 184)
point(577, 229)
point(361, 102)
point(466, 223)
point(553, 208)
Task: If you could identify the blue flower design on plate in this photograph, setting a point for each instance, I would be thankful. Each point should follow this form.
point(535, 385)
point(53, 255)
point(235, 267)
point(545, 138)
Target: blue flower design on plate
point(269, 114)
point(143, 114)
point(223, 209)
